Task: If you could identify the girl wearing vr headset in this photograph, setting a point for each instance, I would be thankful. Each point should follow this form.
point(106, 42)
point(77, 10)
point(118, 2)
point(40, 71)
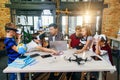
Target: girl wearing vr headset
point(101, 47)
point(36, 44)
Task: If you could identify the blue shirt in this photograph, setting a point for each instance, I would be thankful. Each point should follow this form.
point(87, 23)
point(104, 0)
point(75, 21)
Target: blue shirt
point(12, 54)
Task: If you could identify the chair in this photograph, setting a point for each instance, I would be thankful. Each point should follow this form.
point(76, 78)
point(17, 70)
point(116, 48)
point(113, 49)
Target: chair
point(116, 53)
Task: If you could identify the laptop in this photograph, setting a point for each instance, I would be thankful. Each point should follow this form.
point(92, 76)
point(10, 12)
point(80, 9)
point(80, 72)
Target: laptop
point(58, 45)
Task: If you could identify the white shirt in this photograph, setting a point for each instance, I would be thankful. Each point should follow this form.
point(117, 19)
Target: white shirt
point(53, 38)
point(31, 46)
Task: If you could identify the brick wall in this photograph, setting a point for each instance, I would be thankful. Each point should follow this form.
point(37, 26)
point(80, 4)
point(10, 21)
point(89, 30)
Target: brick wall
point(4, 18)
point(111, 18)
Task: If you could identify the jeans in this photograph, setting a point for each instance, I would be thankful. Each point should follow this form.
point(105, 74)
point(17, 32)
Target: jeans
point(13, 76)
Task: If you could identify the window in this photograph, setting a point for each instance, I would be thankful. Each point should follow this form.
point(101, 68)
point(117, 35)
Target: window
point(63, 0)
point(35, 23)
point(70, 0)
point(64, 24)
point(69, 23)
point(76, 0)
point(86, 0)
point(46, 18)
point(81, 0)
point(97, 23)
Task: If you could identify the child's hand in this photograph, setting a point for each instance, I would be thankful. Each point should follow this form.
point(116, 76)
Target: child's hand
point(21, 50)
point(19, 36)
point(70, 47)
point(53, 51)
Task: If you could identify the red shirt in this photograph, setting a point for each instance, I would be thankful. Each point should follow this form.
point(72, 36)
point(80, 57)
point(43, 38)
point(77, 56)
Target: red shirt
point(74, 41)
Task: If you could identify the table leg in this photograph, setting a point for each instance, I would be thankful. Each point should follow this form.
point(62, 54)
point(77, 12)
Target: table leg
point(30, 76)
point(18, 76)
point(88, 76)
point(100, 76)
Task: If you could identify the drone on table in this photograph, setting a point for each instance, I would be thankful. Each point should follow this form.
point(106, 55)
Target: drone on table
point(77, 59)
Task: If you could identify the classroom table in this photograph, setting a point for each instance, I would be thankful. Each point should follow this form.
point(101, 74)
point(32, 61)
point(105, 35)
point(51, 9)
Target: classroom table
point(60, 63)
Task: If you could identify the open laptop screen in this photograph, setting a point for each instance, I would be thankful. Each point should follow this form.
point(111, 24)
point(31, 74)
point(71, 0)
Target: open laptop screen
point(58, 45)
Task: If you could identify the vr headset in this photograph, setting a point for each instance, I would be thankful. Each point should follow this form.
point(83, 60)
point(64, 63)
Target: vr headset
point(7, 28)
point(42, 36)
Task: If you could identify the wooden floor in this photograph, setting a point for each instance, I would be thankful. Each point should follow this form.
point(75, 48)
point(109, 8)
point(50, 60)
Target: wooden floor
point(110, 76)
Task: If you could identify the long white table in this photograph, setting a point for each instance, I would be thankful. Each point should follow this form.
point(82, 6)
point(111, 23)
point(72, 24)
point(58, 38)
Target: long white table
point(60, 64)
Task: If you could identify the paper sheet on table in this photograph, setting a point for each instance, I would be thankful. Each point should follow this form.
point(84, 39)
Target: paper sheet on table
point(22, 62)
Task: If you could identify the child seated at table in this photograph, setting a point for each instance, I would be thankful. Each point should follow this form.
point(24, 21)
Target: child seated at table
point(86, 39)
point(85, 42)
point(102, 48)
point(74, 43)
point(36, 44)
point(75, 38)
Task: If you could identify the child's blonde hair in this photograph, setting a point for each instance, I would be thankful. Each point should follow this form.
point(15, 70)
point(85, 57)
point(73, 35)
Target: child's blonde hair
point(88, 30)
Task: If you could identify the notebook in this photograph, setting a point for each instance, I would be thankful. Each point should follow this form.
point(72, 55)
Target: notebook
point(58, 45)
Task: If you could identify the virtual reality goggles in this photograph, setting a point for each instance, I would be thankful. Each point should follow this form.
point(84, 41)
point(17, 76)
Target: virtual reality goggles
point(39, 37)
point(103, 37)
point(7, 28)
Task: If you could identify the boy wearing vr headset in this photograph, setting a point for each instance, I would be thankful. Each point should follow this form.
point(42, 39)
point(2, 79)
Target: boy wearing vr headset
point(12, 50)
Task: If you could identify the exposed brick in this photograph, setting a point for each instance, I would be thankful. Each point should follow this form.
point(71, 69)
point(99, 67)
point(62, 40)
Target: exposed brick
point(4, 18)
point(111, 18)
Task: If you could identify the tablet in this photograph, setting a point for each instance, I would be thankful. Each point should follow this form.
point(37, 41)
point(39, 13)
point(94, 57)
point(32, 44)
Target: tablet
point(46, 56)
point(34, 55)
point(96, 58)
